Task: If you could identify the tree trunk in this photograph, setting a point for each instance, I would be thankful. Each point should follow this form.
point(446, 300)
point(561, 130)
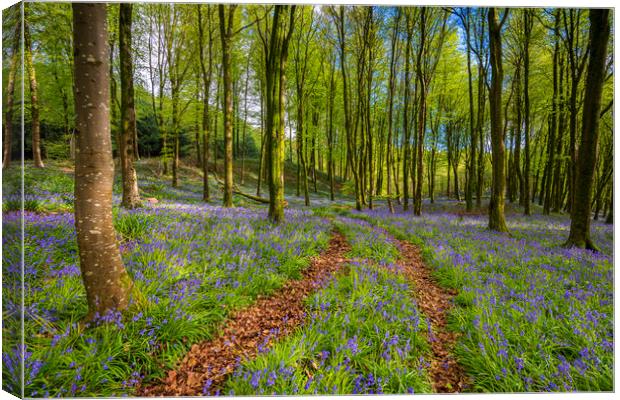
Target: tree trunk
point(10, 96)
point(261, 156)
point(174, 94)
point(34, 97)
point(471, 181)
point(131, 196)
point(206, 74)
point(391, 89)
point(108, 286)
point(226, 25)
point(275, 59)
point(341, 27)
point(528, 22)
point(580, 211)
point(406, 130)
point(245, 117)
point(497, 220)
point(610, 211)
point(330, 131)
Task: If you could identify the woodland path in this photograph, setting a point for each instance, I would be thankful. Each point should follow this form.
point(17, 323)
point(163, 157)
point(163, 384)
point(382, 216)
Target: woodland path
point(250, 330)
point(446, 374)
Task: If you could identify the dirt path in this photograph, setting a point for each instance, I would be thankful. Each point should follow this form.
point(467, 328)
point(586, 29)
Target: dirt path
point(434, 301)
point(251, 330)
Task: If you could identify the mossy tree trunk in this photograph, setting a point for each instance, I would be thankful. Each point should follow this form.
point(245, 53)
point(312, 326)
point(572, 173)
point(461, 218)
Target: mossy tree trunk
point(10, 95)
point(206, 75)
point(528, 20)
point(497, 221)
point(581, 209)
point(34, 95)
point(391, 90)
point(276, 54)
point(226, 35)
point(131, 196)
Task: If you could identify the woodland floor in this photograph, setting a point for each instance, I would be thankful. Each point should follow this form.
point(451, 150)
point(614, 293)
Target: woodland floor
point(333, 301)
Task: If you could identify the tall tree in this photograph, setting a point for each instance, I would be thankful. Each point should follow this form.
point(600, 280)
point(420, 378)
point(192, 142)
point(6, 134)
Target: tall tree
point(528, 20)
point(339, 19)
point(497, 221)
point(175, 36)
point(407, 100)
point(227, 18)
point(157, 72)
point(581, 209)
point(432, 35)
point(34, 93)
point(10, 92)
point(108, 286)
point(391, 90)
point(483, 68)
point(276, 55)
point(206, 70)
point(302, 52)
point(545, 196)
point(577, 58)
point(131, 196)
point(464, 15)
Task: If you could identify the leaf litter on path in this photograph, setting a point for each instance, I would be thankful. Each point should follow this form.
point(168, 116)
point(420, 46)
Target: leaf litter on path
point(435, 302)
point(250, 331)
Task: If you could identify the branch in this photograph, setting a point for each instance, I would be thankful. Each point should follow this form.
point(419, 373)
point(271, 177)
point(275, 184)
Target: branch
point(256, 20)
point(240, 193)
point(607, 108)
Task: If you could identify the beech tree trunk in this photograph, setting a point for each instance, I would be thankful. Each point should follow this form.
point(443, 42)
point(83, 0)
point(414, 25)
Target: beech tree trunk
point(391, 89)
point(206, 74)
point(406, 129)
point(471, 181)
point(349, 131)
point(108, 286)
point(527, 22)
point(421, 128)
point(276, 58)
point(34, 97)
point(131, 196)
point(10, 97)
point(497, 221)
point(581, 209)
point(330, 130)
point(226, 33)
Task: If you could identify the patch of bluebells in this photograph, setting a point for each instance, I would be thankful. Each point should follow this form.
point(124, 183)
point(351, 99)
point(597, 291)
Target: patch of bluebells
point(534, 316)
point(193, 264)
point(364, 335)
point(368, 241)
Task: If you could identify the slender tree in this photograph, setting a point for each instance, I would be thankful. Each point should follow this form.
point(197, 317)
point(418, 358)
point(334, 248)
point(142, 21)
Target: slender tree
point(528, 20)
point(465, 17)
point(227, 16)
point(10, 94)
point(339, 19)
point(497, 221)
point(34, 93)
point(131, 196)
point(108, 286)
point(391, 90)
point(432, 35)
point(206, 70)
